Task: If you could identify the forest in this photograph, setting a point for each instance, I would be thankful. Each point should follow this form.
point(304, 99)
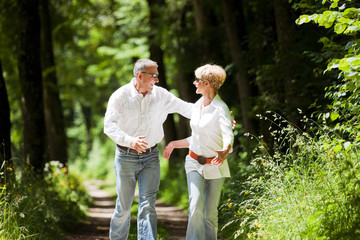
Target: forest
point(292, 84)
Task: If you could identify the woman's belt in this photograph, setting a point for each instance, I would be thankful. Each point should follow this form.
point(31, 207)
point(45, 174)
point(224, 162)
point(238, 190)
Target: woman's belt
point(201, 159)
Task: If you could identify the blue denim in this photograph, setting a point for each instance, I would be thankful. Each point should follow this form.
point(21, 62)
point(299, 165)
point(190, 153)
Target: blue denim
point(204, 197)
point(129, 169)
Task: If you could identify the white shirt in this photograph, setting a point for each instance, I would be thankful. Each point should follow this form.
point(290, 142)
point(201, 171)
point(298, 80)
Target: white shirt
point(129, 114)
point(211, 130)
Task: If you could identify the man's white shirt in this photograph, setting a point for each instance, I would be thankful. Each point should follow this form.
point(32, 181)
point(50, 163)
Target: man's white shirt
point(130, 114)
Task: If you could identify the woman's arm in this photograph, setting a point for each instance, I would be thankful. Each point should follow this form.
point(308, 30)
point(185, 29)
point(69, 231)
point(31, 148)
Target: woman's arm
point(183, 143)
point(221, 155)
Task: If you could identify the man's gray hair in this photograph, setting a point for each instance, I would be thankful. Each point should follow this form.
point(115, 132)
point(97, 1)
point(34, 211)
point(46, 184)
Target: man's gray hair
point(142, 64)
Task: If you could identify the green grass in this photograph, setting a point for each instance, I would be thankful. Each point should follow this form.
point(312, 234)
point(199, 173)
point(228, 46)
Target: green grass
point(309, 191)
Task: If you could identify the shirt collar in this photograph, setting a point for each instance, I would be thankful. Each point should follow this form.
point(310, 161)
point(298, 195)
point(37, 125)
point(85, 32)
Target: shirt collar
point(134, 92)
point(215, 102)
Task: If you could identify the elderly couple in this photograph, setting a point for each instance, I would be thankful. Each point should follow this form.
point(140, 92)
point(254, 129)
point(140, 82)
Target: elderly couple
point(134, 121)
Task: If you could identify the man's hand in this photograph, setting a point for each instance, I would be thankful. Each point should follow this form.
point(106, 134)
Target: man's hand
point(139, 144)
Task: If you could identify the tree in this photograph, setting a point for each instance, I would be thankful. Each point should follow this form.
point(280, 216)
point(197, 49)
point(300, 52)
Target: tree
point(235, 30)
point(5, 124)
point(209, 31)
point(31, 82)
point(286, 32)
point(157, 54)
point(55, 127)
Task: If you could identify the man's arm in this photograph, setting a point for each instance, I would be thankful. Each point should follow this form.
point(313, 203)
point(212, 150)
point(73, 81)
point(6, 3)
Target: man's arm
point(173, 104)
point(111, 127)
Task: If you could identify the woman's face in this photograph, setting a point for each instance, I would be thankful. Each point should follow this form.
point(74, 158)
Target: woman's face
point(200, 85)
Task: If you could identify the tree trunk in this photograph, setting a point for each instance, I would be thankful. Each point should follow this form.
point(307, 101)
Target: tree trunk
point(87, 114)
point(235, 30)
point(31, 83)
point(157, 55)
point(208, 32)
point(54, 118)
point(286, 32)
point(5, 124)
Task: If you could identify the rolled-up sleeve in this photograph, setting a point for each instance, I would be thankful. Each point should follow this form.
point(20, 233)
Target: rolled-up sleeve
point(111, 126)
point(226, 127)
point(176, 105)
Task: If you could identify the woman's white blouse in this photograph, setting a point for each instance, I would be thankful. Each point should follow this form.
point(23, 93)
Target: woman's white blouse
point(211, 130)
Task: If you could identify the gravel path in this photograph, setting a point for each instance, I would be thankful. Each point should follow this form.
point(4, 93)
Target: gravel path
point(97, 225)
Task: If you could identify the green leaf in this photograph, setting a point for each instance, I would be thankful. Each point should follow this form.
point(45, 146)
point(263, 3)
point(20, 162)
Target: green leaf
point(334, 4)
point(344, 65)
point(302, 19)
point(334, 116)
point(339, 28)
point(337, 148)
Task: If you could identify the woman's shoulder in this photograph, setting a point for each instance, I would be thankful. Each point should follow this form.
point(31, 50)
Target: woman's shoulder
point(219, 103)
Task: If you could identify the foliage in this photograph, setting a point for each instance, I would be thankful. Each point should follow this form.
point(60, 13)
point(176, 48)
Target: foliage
point(34, 207)
point(308, 186)
point(309, 191)
point(343, 20)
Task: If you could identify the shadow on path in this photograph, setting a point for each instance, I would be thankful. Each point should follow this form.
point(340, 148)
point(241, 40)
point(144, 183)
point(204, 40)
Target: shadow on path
point(96, 227)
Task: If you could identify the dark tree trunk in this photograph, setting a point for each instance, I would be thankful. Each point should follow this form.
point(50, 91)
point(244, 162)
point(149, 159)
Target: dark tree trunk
point(235, 29)
point(208, 33)
point(31, 83)
point(157, 55)
point(55, 127)
point(5, 124)
point(86, 111)
point(286, 32)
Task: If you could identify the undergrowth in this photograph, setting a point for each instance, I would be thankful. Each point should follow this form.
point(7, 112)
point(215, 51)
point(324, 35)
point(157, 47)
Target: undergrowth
point(307, 188)
point(37, 206)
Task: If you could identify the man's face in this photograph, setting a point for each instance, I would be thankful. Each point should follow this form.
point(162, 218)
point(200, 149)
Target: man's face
point(148, 80)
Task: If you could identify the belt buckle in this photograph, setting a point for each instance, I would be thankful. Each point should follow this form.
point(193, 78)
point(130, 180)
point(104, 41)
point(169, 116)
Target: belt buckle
point(201, 160)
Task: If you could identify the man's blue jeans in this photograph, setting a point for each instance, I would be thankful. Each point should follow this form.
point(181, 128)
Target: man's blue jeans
point(129, 169)
point(204, 197)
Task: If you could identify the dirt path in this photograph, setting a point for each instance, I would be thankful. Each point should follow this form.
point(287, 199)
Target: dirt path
point(97, 225)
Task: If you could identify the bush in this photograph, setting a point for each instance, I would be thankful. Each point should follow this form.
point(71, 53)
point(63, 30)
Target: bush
point(307, 189)
point(40, 207)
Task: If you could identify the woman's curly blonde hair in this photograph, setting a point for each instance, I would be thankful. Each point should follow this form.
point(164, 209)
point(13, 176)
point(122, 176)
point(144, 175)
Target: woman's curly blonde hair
point(213, 73)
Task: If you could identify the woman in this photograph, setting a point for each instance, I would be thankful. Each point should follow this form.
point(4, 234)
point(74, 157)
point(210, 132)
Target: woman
point(210, 143)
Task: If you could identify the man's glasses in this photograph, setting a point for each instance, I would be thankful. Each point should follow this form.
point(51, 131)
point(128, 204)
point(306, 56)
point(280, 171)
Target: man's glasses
point(199, 80)
point(152, 74)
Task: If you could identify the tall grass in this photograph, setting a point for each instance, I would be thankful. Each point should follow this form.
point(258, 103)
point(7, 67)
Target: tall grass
point(34, 207)
point(308, 188)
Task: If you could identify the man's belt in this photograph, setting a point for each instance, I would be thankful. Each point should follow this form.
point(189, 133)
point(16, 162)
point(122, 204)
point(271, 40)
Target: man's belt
point(134, 151)
point(202, 160)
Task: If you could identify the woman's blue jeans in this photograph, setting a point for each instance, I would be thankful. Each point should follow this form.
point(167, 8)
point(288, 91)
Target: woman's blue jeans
point(129, 169)
point(204, 197)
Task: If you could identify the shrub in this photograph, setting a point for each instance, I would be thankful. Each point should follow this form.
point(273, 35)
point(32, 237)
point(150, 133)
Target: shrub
point(40, 207)
point(309, 191)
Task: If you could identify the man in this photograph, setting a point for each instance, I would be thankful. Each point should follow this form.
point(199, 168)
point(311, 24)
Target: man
point(134, 121)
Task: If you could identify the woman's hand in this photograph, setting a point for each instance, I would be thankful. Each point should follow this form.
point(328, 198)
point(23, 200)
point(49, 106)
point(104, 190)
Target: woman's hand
point(168, 150)
point(221, 156)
